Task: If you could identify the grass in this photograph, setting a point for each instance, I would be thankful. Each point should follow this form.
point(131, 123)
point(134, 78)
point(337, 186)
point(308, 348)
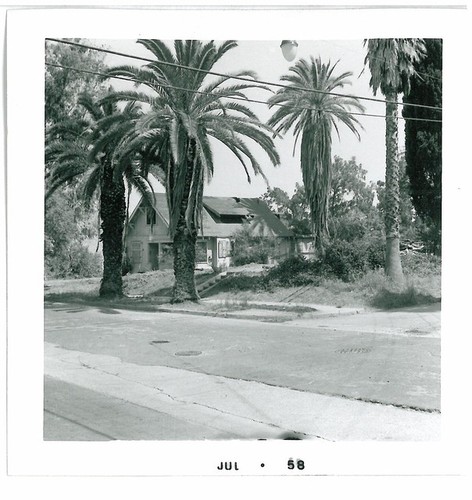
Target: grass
point(373, 290)
point(150, 284)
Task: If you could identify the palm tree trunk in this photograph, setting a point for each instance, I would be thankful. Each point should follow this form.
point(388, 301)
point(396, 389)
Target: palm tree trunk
point(184, 242)
point(393, 266)
point(184, 264)
point(112, 213)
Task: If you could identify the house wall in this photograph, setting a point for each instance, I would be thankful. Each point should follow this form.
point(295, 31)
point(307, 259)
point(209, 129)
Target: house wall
point(144, 246)
point(141, 238)
point(284, 249)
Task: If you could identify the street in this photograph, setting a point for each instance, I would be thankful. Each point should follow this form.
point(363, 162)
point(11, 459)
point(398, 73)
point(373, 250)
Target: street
point(118, 374)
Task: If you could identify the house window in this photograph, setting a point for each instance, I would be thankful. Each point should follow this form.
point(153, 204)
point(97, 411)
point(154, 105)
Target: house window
point(136, 252)
point(223, 249)
point(150, 216)
point(201, 251)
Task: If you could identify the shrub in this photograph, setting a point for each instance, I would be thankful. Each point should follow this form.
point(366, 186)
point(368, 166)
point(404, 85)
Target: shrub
point(347, 260)
point(249, 249)
point(242, 283)
point(84, 264)
point(77, 263)
point(296, 271)
point(421, 264)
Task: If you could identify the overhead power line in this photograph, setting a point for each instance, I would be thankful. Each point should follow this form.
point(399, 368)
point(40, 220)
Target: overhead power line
point(135, 80)
point(241, 78)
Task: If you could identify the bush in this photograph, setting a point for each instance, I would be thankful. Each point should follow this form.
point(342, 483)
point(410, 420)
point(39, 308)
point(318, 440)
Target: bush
point(242, 283)
point(77, 263)
point(421, 264)
point(349, 261)
point(296, 271)
point(251, 249)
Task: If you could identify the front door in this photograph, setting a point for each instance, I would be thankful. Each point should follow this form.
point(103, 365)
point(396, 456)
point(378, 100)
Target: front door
point(154, 256)
point(137, 256)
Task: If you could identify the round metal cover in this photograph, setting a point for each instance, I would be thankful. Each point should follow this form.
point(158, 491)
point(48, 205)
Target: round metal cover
point(188, 353)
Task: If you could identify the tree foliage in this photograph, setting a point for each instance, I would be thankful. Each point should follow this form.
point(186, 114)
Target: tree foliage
point(188, 110)
point(350, 203)
point(85, 153)
point(67, 228)
point(65, 215)
point(391, 63)
point(314, 114)
point(293, 211)
point(63, 86)
point(423, 139)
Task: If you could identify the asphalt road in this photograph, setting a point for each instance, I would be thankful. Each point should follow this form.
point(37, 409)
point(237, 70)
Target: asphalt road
point(227, 378)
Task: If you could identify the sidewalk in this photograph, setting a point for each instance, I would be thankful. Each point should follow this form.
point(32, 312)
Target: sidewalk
point(412, 321)
point(204, 406)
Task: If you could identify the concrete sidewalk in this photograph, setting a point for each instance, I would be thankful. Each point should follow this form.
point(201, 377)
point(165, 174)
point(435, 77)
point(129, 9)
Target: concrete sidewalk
point(217, 407)
point(411, 321)
point(424, 321)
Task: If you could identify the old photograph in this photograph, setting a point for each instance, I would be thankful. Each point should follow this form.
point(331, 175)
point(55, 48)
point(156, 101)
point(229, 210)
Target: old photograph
point(233, 249)
point(242, 239)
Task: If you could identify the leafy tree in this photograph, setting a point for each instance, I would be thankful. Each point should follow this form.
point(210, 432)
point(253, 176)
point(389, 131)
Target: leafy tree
point(391, 64)
point(63, 86)
point(423, 139)
point(66, 229)
point(249, 247)
point(351, 210)
point(65, 215)
point(187, 111)
point(293, 211)
point(352, 214)
point(349, 189)
point(88, 150)
point(313, 114)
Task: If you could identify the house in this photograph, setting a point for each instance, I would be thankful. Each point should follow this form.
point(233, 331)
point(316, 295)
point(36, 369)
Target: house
point(149, 246)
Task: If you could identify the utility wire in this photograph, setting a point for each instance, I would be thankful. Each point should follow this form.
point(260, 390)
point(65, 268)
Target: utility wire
point(251, 80)
point(134, 80)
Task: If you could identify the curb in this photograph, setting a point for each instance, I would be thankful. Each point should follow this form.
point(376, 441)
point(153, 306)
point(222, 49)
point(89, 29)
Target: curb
point(278, 307)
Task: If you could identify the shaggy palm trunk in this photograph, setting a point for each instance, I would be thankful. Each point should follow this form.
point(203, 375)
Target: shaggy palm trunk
point(184, 264)
point(112, 214)
point(393, 266)
point(184, 247)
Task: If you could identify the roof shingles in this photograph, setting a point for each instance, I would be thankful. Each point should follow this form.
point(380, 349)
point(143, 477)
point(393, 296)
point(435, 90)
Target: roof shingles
point(261, 220)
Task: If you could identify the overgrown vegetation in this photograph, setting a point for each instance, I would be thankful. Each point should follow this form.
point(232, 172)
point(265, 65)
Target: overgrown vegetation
point(326, 282)
point(248, 248)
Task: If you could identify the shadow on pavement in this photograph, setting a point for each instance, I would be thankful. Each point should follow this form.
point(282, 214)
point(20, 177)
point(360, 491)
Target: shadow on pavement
point(70, 308)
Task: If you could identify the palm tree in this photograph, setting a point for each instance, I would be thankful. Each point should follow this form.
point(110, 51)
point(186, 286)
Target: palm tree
point(188, 110)
point(85, 153)
point(314, 113)
point(391, 66)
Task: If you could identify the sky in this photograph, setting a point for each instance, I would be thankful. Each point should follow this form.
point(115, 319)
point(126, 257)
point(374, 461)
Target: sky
point(265, 58)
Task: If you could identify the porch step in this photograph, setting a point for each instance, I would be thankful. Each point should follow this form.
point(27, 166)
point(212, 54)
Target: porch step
point(210, 283)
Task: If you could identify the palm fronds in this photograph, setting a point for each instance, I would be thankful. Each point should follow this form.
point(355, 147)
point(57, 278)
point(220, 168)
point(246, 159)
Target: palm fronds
point(313, 115)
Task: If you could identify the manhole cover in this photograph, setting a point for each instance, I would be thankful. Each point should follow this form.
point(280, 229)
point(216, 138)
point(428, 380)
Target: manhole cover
point(188, 353)
point(159, 342)
point(354, 350)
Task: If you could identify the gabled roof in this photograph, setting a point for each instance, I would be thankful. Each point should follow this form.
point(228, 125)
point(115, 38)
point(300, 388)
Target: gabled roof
point(253, 211)
point(224, 206)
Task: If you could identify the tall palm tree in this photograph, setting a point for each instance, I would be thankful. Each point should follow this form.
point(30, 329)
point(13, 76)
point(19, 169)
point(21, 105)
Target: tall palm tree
point(189, 109)
point(391, 63)
point(85, 152)
point(313, 114)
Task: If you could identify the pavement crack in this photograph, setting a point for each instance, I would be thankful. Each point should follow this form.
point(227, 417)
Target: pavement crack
point(202, 405)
